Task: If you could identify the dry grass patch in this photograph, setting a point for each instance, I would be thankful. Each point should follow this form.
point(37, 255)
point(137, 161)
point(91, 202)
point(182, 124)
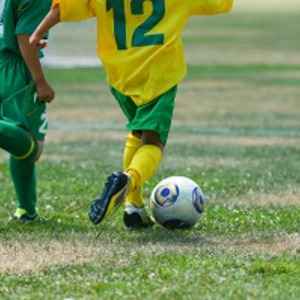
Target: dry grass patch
point(87, 114)
point(290, 243)
point(237, 106)
point(23, 257)
point(264, 200)
point(73, 135)
point(101, 135)
point(34, 256)
point(243, 141)
point(207, 55)
point(199, 163)
point(206, 83)
point(205, 96)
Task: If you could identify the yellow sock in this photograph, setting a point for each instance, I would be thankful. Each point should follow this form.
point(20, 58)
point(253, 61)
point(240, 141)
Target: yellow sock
point(143, 166)
point(133, 143)
point(135, 197)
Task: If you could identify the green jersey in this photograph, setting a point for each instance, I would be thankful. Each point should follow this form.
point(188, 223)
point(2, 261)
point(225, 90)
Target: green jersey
point(19, 17)
point(17, 92)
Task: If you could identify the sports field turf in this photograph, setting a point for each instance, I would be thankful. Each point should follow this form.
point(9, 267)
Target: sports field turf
point(236, 132)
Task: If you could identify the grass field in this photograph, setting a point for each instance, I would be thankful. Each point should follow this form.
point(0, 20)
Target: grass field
point(236, 132)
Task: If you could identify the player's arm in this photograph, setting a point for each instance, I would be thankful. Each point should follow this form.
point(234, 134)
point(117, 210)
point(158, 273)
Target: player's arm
point(51, 19)
point(209, 7)
point(31, 58)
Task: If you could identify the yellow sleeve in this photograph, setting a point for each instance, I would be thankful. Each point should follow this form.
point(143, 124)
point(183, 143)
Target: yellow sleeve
point(74, 10)
point(209, 7)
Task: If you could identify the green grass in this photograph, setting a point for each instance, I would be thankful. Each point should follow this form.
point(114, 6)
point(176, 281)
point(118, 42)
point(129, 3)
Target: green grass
point(235, 132)
point(159, 278)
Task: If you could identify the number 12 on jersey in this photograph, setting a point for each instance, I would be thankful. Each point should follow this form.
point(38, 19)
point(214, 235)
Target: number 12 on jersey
point(141, 36)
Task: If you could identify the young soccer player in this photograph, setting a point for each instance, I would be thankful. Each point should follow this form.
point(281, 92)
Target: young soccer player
point(140, 47)
point(23, 93)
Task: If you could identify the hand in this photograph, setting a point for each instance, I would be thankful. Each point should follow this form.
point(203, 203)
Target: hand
point(37, 42)
point(53, 17)
point(45, 92)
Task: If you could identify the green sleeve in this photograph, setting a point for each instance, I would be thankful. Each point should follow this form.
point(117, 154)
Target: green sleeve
point(30, 14)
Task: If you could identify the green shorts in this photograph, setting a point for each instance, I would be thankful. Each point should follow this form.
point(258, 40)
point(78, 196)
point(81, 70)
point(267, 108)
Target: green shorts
point(24, 109)
point(18, 98)
point(155, 115)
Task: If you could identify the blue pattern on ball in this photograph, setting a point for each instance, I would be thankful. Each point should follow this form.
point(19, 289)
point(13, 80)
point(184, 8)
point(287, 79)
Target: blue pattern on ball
point(165, 192)
point(198, 200)
point(166, 195)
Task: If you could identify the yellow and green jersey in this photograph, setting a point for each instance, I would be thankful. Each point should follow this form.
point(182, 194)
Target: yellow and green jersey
point(139, 41)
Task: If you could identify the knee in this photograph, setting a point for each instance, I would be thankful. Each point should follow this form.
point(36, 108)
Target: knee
point(40, 145)
point(152, 138)
point(137, 133)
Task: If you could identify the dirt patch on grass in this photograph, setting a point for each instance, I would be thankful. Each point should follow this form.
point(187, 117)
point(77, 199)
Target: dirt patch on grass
point(34, 256)
point(19, 257)
point(232, 140)
point(85, 135)
point(216, 83)
point(210, 55)
point(88, 114)
point(263, 200)
point(65, 136)
point(291, 244)
point(196, 162)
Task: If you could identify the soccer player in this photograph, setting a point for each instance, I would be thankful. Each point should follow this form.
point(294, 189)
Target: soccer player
point(140, 47)
point(23, 93)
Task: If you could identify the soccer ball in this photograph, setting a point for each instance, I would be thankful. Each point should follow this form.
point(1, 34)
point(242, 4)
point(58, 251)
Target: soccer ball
point(177, 202)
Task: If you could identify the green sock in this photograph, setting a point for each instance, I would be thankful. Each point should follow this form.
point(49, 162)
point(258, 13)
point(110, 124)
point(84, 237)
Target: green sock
point(23, 149)
point(16, 140)
point(23, 176)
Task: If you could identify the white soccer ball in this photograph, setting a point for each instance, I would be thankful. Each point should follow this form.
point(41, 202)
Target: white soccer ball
point(177, 202)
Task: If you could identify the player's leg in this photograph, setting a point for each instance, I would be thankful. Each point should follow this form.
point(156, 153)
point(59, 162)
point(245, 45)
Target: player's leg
point(155, 119)
point(156, 115)
point(143, 165)
point(23, 174)
point(116, 185)
point(16, 140)
point(132, 144)
point(145, 160)
point(22, 137)
point(135, 214)
point(23, 149)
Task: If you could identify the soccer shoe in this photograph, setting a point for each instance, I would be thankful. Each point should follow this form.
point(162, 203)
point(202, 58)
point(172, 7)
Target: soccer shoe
point(22, 215)
point(112, 197)
point(135, 217)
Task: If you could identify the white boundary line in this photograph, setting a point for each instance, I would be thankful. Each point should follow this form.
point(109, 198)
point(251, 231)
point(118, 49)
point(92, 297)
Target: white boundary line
point(52, 61)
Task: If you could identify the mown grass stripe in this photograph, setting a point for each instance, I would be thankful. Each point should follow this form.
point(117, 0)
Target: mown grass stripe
point(220, 130)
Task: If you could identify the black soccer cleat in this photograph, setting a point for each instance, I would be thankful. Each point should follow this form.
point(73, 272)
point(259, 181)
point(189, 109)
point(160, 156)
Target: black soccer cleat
point(112, 197)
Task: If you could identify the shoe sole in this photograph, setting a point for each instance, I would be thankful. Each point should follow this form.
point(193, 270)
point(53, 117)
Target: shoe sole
point(114, 203)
